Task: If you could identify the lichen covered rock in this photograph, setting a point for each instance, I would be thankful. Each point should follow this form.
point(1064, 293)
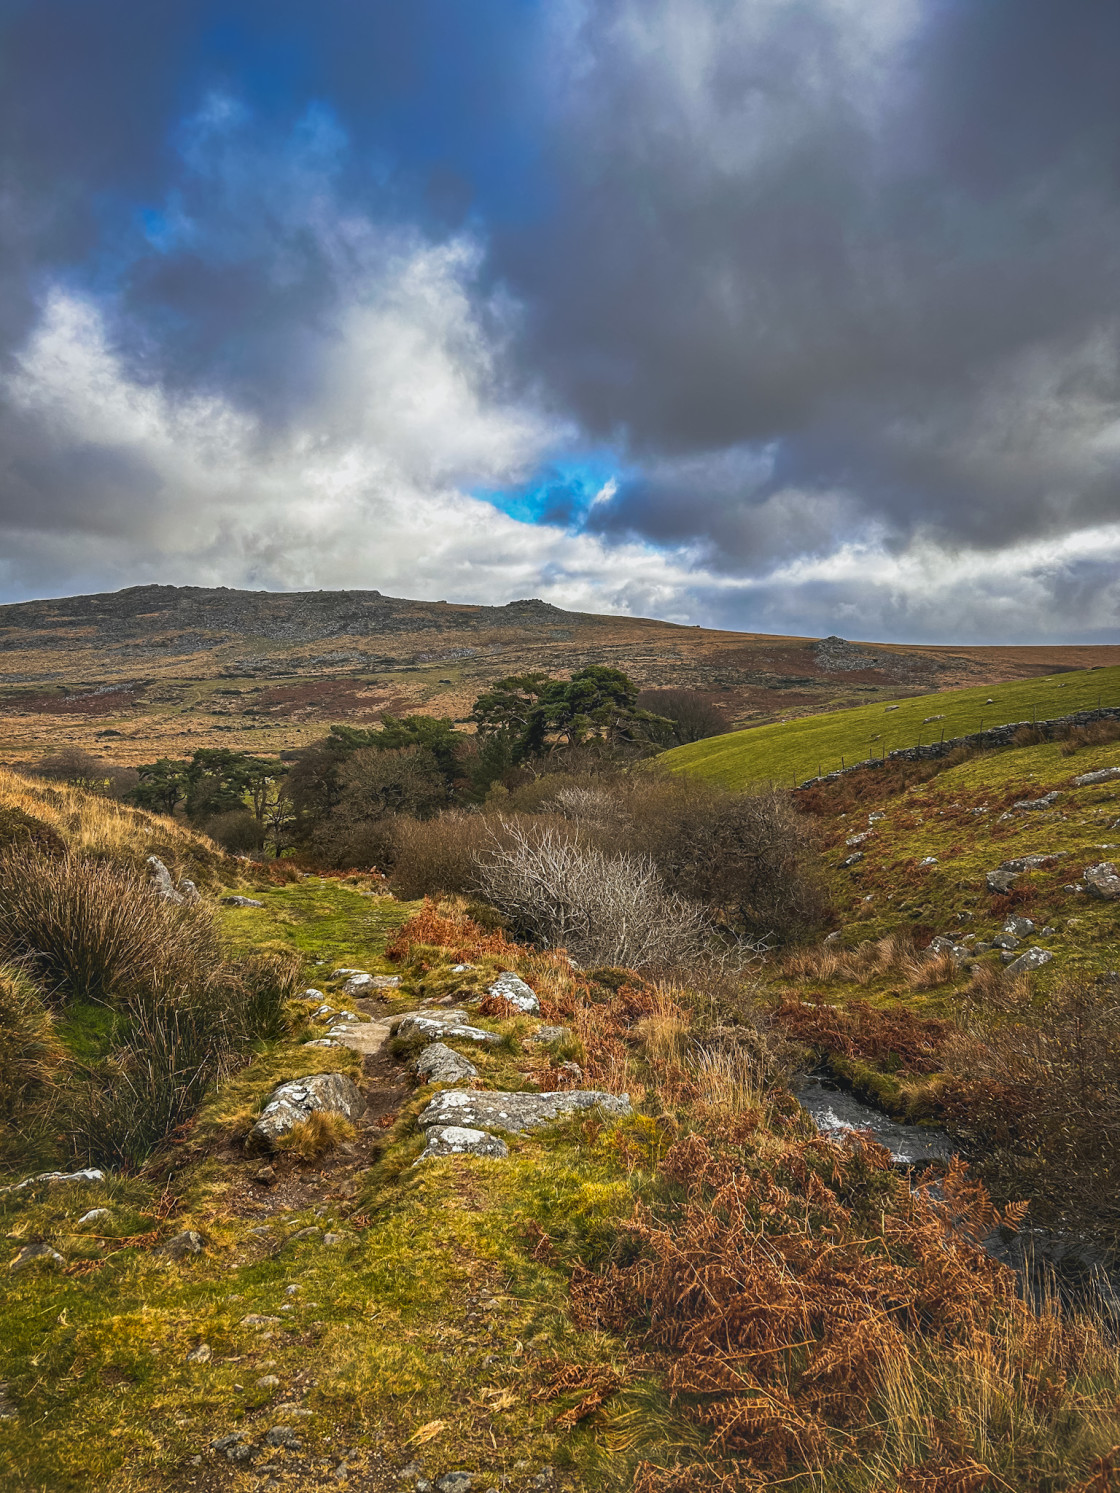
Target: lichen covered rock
point(295, 1101)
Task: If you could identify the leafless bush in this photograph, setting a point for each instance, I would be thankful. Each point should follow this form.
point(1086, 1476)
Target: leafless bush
point(604, 909)
point(587, 806)
point(436, 855)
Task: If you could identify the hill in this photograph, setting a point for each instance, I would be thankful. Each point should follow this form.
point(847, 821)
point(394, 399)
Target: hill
point(789, 752)
point(158, 670)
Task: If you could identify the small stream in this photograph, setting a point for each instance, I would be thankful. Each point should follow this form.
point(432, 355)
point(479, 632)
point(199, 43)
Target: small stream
point(1041, 1258)
point(834, 1111)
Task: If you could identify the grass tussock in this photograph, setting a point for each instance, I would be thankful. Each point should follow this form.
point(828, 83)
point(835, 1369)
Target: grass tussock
point(31, 1059)
point(178, 1013)
point(895, 957)
point(92, 930)
point(315, 1137)
point(1097, 733)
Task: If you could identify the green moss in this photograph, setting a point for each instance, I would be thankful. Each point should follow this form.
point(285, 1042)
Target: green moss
point(325, 919)
point(89, 1030)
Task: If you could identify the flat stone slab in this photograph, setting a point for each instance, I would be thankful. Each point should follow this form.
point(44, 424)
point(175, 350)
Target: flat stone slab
point(439, 1063)
point(1045, 802)
point(434, 1026)
point(366, 1037)
point(36, 1254)
point(461, 1140)
point(295, 1101)
point(487, 1110)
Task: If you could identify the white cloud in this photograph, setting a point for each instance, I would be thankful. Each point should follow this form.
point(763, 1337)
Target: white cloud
point(367, 489)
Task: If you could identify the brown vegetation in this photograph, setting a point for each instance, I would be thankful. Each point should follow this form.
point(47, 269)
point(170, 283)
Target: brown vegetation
point(1035, 1091)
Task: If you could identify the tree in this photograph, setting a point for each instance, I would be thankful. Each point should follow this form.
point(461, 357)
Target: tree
point(691, 714)
point(403, 780)
point(537, 714)
point(161, 786)
point(221, 781)
point(434, 734)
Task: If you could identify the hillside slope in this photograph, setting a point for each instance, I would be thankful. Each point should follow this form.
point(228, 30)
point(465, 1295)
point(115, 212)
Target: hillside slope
point(789, 752)
point(158, 670)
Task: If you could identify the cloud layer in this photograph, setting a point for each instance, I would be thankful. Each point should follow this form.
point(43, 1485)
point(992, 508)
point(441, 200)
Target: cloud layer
point(795, 315)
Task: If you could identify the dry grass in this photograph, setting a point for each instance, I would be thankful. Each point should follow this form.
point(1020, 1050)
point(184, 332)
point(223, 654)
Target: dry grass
point(101, 827)
point(894, 957)
point(1098, 733)
point(817, 1318)
point(1036, 1088)
point(316, 1136)
point(665, 1031)
point(730, 1081)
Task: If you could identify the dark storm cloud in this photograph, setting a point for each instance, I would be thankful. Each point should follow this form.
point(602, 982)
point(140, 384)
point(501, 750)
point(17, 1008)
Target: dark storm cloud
point(885, 236)
point(838, 280)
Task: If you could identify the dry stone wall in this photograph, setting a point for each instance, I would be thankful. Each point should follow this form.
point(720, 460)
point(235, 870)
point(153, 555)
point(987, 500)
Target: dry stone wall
point(995, 736)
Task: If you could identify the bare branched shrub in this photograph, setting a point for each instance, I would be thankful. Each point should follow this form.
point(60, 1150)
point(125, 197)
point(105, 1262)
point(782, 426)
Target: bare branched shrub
point(604, 909)
point(436, 855)
point(587, 806)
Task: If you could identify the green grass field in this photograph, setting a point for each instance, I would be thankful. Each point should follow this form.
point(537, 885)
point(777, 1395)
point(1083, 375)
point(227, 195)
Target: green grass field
point(788, 752)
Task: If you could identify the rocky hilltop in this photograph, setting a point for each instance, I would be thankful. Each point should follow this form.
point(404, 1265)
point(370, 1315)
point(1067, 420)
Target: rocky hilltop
point(202, 616)
point(155, 668)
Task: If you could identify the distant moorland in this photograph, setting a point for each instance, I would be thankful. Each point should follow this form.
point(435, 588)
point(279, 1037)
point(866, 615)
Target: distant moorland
point(157, 670)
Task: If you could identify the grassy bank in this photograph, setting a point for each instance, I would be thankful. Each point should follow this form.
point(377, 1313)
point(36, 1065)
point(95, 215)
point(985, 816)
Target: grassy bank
point(789, 752)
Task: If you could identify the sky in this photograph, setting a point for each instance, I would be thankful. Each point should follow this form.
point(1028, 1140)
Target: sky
point(796, 316)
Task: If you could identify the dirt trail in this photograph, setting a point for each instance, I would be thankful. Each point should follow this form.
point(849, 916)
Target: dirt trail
point(268, 1187)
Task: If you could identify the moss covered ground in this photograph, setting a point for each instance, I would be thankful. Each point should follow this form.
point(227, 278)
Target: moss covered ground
point(423, 1332)
point(789, 752)
point(704, 1296)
